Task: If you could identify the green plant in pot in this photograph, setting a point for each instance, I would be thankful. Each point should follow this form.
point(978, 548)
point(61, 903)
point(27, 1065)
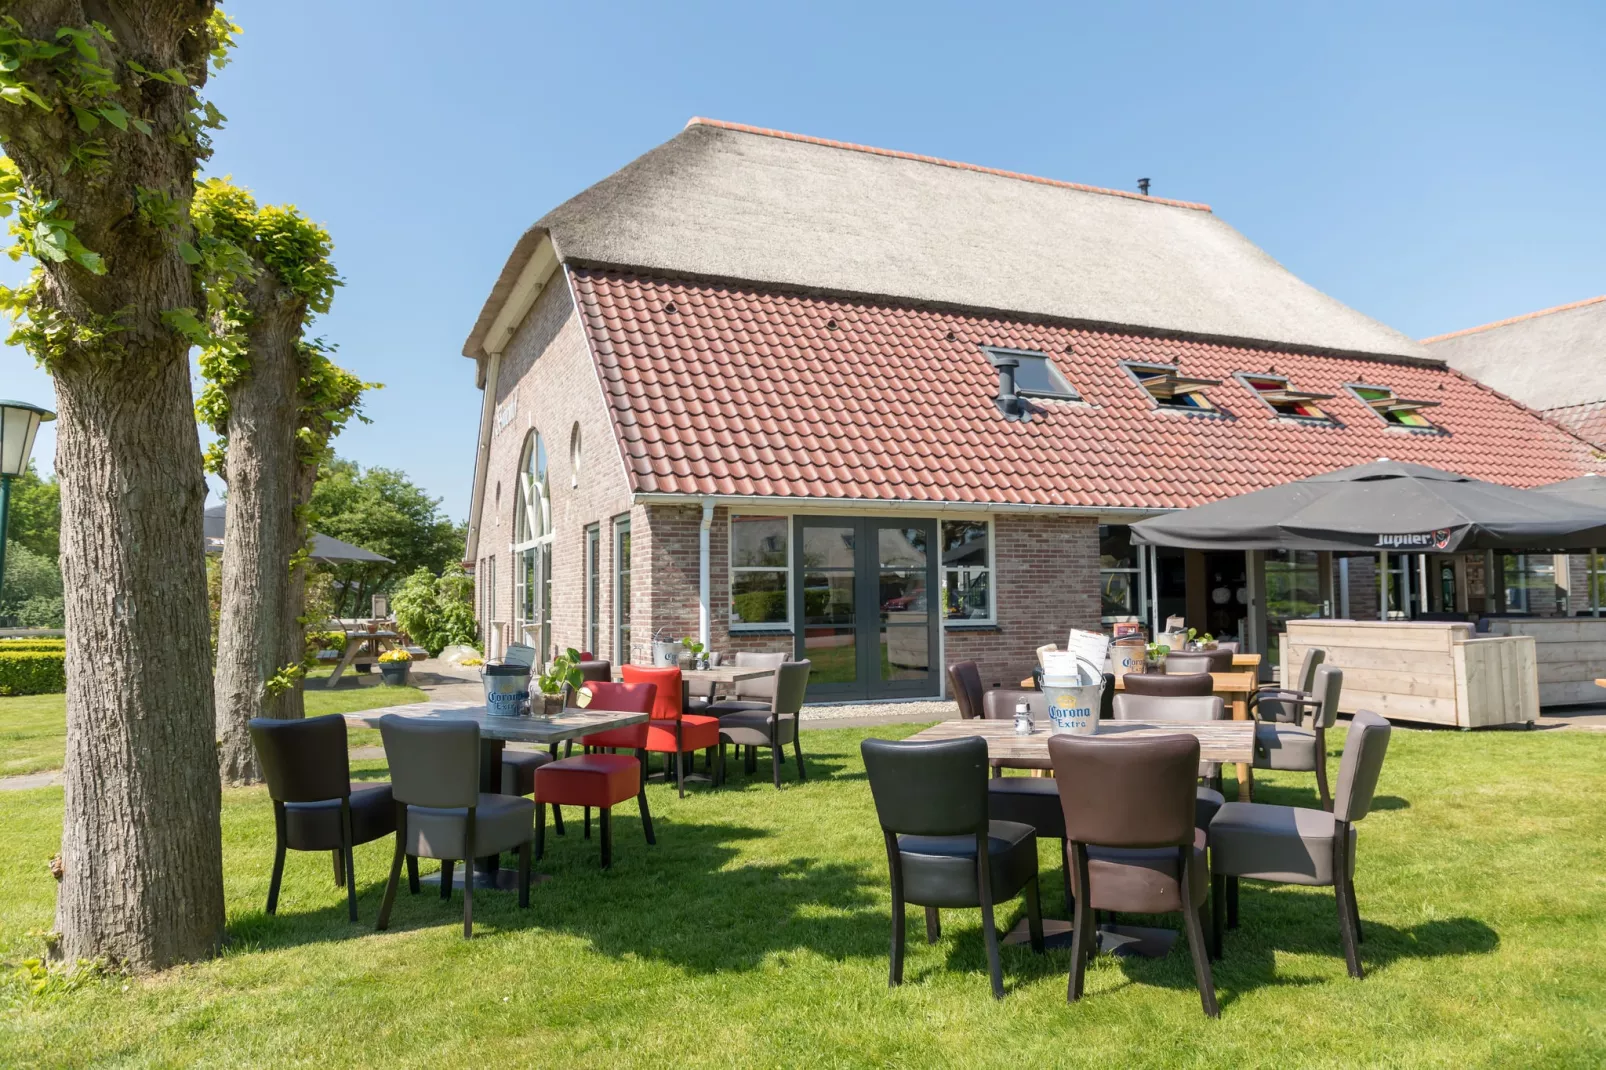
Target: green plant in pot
point(1198, 640)
point(394, 666)
point(693, 655)
point(561, 672)
point(1154, 657)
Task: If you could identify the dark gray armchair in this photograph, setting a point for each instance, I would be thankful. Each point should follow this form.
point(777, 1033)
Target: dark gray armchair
point(773, 726)
point(1296, 845)
point(1291, 729)
point(441, 812)
point(943, 850)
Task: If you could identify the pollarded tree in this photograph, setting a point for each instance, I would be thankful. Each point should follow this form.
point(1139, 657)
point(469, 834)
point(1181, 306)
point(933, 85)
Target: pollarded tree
point(103, 129)
point(274, 399)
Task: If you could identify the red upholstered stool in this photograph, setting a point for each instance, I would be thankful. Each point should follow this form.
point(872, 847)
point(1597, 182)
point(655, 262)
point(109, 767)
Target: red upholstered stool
point(600, 780)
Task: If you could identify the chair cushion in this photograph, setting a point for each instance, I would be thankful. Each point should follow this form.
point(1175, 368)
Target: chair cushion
point(1206, 802)
point(316, 826)
point(1144, 880)
point(501, 823)
point(1028, 800)
point(518, 770)
point(736, 705)
point(1283, 746)
point(940, 871)
point(753, 728)
point(589, 780)
point(696, 733)
point(1286, 844)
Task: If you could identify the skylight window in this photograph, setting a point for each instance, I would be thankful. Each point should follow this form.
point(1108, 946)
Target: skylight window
point(1393, 409)
point(1281, 397)
point(1170, 389)
point(1036, 376)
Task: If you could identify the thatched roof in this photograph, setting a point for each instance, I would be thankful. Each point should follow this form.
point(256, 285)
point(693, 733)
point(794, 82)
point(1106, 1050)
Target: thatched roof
point(719, 201)
point(1550, 359)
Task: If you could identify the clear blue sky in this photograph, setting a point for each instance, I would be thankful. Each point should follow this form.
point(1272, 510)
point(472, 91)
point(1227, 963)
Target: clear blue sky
point(1435, 166)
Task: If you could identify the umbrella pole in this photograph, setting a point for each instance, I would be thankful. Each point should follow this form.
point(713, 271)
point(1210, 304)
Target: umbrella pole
point(1383, 585)
point(1594, 582)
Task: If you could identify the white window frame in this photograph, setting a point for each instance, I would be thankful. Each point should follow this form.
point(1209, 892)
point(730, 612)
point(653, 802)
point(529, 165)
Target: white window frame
point(592, 560)
point(533, 500)
point(621, 607)
point(790, 569)
point(991, 619)
point(1139, 571)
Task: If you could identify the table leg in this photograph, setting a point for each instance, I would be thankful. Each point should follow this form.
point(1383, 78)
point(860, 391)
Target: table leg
point(1246, 781)
point(346, 658)
point(487, 866)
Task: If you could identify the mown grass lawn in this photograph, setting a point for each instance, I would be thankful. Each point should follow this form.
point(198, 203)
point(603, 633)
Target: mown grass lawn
point(756, 933)
point(33, 729)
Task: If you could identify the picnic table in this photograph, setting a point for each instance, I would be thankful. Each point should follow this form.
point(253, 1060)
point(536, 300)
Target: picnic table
point(374, 643)
point(494, 733)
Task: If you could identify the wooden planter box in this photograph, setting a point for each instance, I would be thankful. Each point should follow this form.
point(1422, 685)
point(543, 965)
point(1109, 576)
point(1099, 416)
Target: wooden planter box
point(1431, 672)
point(1571, 654)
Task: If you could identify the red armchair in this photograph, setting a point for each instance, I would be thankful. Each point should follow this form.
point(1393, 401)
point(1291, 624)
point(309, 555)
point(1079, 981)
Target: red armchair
point(596, 779)
point(672, 730)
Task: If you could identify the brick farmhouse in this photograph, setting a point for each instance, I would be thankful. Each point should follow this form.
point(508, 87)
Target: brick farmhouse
point(889, 411)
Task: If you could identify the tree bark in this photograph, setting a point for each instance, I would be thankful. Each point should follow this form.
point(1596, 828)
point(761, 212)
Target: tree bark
point(142, 880)
point(293, 632)
point(260, 537)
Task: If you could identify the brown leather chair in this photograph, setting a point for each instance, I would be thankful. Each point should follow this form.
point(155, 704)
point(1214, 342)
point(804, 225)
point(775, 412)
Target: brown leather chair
point(943, 848)
point(441, 812)
point(1130, 707)
point(1129, 823)
point(1030, 800)
point(1291, 729)
point(1295, 845)
point(316, 807)
point(773, 727)
point(1168, 683)
point(999, 705)
point(965, 680)
point(1192, 661)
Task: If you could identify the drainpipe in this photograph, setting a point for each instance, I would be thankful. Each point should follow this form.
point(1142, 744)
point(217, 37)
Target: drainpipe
point(702, 572)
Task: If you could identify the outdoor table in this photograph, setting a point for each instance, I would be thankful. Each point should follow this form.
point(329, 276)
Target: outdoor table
point(377, 642)
point(1219, 741)
point(1246, 661)
point(720, 675)
point(494, 732)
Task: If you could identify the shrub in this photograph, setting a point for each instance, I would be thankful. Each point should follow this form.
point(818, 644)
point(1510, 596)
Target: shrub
point(32, 672)
point(437, 612)
point(12, 646)
point(30, 596)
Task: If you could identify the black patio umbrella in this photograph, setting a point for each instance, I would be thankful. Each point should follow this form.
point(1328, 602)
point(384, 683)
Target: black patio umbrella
point(325, 550)
point(1383, 506)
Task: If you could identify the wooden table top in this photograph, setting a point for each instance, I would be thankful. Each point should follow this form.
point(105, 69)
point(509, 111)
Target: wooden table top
point(1222, 683)
point(1246, 661)
point(1219, 741)
point(719, 674)
point(570, 724)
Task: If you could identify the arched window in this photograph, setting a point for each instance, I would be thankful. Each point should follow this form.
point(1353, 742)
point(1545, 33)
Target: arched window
point(574, 455)
point(532, 549)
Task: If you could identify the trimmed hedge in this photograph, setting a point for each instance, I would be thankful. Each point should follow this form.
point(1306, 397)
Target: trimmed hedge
point(13, 646)
point(32, 672)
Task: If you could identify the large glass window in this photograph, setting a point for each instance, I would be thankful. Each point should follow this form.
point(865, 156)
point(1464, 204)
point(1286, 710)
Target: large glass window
point(621, 590)
point(532, 550)
point(760, 563)
point(967, 579)
point(1530, 582)
point(1118, 574)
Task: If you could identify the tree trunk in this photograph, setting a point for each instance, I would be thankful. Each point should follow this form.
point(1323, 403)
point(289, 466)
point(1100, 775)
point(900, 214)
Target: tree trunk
point(142, 863)
point(141, 845)
point(260, 537)
point(293, 631)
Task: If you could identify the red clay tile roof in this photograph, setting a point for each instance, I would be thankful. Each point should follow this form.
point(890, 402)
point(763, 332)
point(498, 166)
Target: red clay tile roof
point(1588, 422)
point(727, 389)
point(698, 120)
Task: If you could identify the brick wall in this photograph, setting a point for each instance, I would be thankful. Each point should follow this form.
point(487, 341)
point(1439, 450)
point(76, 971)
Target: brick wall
point(550, 381)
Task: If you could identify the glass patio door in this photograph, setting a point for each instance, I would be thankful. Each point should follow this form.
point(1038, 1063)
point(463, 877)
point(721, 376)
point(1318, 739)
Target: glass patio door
point(865, 609)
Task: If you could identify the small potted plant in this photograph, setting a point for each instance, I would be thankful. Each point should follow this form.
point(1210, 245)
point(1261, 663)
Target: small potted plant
point(1198, 640)
point(561, 672)
point(394, 666)
point(1154, 657)
point(692, 654)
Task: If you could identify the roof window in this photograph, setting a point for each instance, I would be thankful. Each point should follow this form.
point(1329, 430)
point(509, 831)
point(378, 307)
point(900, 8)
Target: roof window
point(1281, 397)
point(1393, 409)
point(1170, 389)
point(1035, 376)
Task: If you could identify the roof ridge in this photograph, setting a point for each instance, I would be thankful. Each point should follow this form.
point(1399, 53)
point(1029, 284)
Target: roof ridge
point(698, 120)
point(1514, 319)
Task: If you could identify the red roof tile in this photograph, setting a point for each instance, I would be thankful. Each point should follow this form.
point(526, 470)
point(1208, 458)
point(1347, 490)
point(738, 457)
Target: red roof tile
point(765, 392)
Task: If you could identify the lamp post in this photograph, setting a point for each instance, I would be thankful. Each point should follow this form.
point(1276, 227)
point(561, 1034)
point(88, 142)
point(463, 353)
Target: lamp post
point(19, 423)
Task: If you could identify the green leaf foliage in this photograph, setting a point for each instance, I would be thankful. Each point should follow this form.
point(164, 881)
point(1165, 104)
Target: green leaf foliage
point(35, 514)
point(32, 672)
point(437, 612)
point(30, 595)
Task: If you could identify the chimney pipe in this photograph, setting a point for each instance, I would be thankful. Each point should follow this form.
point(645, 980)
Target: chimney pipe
point(1143, 186)
point(1008, 400)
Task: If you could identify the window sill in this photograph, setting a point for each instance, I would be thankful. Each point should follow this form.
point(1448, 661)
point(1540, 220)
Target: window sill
point(759, 629)
point(972, 626)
